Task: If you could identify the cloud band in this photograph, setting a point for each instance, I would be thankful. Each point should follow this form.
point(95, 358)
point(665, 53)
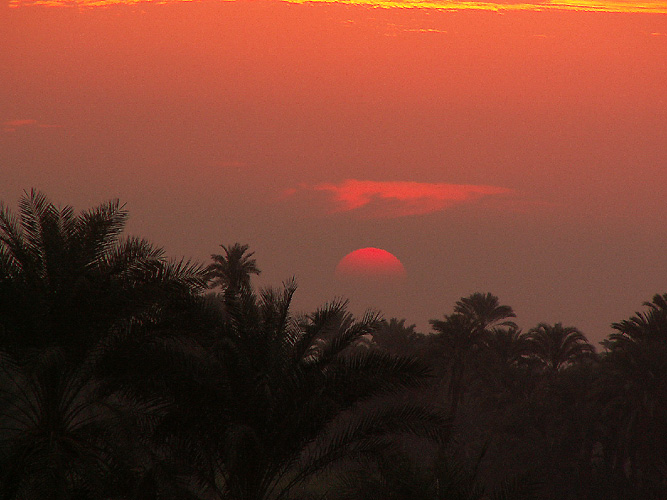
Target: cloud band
point(386, 199)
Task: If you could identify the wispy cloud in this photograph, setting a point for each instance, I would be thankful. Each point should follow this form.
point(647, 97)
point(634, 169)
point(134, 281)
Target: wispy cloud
point(648, 6)
point(393, 29)
point(14, 125)
point(424, 30)
point(378, 199)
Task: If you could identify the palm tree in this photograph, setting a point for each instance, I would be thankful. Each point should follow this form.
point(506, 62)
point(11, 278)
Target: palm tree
point(645, 326)
point(272, 398)
point(69, 284)
point(507, 345)
point(396, 338)
point(504, 361)
point(232, 270)
point(66, 280)
point(634, 391)
point(463, 336)
point(555, 347)
point(484, 311)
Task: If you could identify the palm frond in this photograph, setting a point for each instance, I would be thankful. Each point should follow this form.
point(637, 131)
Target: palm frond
point(98, 229)
point(347, 333)
point(368, 374)
point(38, 217)
point(129, 257)
point(11, 239)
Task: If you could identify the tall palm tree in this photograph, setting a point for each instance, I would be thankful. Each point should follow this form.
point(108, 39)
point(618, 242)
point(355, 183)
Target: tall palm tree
point(463, 336)
point(555, 347)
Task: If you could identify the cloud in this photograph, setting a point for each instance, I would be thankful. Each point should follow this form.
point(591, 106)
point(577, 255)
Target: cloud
point(424, 30)
point(646, 6)
point(393, 29)
point(378, 199)
point(14, 125)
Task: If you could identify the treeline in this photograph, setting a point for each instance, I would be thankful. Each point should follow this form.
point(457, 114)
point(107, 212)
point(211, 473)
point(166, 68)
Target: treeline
point(124, 375)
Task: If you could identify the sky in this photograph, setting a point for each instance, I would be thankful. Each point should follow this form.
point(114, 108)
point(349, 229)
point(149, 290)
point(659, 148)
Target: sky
point(512, 148)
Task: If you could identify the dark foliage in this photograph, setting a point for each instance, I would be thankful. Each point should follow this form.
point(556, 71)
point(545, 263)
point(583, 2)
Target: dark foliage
point(121, 377)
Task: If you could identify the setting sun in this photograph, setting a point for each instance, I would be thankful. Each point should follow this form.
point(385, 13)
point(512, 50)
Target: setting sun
point(370, 263)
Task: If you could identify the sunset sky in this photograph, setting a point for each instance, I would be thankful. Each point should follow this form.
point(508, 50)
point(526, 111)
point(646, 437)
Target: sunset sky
point(518, 148)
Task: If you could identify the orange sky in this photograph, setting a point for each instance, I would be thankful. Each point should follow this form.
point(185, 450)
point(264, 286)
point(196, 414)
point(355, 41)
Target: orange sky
point(516, 149)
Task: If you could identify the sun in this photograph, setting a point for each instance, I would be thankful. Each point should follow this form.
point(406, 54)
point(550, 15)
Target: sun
point(370, 262)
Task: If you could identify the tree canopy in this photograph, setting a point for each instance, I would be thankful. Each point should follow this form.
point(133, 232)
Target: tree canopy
point(123, 377)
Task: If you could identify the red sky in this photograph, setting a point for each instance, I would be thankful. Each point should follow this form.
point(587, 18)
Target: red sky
point(520, 150)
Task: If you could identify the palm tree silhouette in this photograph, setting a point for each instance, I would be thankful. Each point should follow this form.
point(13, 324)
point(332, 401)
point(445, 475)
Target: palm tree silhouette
point(644, 326)
point(69, 284)
point(463, 336)
point(396, 338)
point(634, 391)
point(555, 347)
point(66, 280)
point(483, 311)
point(280, 397)
point(504, 361)
point(232, 270)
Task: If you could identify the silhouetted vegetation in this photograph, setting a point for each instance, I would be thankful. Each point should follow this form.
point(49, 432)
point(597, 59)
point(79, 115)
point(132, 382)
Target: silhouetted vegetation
point(124, 375)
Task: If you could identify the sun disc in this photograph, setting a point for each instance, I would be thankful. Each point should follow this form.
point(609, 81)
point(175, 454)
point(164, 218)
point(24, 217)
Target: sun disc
point(370, 262)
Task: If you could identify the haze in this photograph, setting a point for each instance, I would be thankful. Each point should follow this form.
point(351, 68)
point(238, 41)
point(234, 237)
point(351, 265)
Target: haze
point(517, 149)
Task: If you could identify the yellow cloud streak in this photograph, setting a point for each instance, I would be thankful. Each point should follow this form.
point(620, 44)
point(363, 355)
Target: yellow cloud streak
point(651, 7)
point(582, 5)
